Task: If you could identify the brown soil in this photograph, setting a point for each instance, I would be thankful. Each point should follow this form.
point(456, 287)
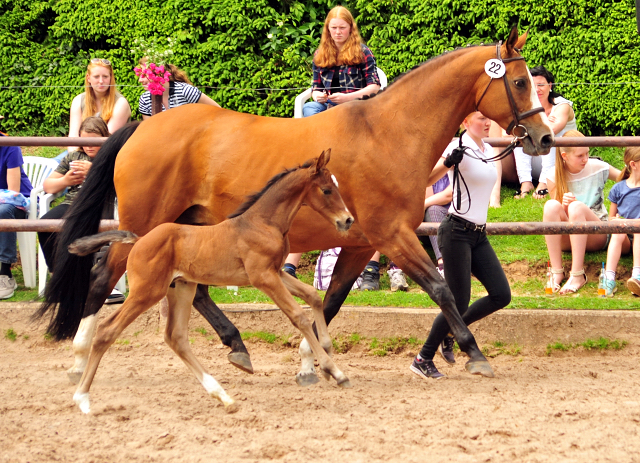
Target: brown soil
point(576, 406)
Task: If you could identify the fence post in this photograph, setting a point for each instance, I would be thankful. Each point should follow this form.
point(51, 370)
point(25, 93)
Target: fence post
point(156, 104)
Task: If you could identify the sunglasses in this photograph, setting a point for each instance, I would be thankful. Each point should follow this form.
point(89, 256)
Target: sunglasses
point(101, 60)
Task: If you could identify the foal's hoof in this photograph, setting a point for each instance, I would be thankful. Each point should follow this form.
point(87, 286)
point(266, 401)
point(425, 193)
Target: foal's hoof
point(306, 379)
point(82, 401)
point(232, 408)
point(241, 360)
point(74, 376)
point(345, 384)
point(479, 367)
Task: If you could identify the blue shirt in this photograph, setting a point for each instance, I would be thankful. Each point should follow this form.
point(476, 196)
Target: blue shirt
point(627, 199)
point(10, 158)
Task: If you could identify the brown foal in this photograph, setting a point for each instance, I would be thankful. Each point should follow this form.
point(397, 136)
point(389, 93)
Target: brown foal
point(248, 249)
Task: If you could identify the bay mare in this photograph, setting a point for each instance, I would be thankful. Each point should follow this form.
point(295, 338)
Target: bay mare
point(194, 164)
point(248, 249)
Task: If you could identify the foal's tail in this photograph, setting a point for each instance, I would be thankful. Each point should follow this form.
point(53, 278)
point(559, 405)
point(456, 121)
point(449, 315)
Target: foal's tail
point(90, 244)
point(68, 287)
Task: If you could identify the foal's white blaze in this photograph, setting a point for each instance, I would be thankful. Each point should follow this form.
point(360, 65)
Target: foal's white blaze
point(535, 101)
point(214, 389)
point(82, 346)
point(82, 400)
point(335, 180)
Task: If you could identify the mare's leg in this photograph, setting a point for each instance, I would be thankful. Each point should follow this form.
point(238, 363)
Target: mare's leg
point(109, 330)
point(407, 253)
point(177, 337)
point(349, 266)
point(229, 334)
point(104, 276)
point(270, 283)
point(310, 296)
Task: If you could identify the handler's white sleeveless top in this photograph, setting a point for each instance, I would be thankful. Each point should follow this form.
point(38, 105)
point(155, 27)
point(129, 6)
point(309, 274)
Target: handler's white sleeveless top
point(480, 177)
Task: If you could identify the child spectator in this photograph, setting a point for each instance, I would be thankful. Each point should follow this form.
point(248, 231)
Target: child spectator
point(625, 203)
point(577, 191)
point(15, 188)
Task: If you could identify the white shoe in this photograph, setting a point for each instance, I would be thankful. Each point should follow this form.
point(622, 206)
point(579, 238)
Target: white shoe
point(116, 297)
point(398, 280)
point(7, 287)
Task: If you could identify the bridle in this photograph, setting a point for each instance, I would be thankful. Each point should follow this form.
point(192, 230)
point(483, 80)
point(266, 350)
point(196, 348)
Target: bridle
point(517, 117)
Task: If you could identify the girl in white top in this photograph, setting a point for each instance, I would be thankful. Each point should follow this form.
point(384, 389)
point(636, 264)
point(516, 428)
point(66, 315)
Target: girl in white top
point(577, 192)
point(464, 245)
point(561, 117)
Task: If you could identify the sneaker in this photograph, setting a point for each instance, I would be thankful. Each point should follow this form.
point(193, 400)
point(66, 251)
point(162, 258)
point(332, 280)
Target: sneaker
point(441, 269)
point(370, 280)
point(398, 280)
point(425, 368)
point(446, 350)
point(290, 270)
point(610, 287)
point(116, 297)
point(7, 286)
point(633, 284)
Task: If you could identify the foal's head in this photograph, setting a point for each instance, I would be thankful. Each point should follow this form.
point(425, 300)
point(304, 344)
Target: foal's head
point(323, 195)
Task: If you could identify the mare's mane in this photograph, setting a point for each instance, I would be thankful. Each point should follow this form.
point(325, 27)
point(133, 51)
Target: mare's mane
point(433, 58)
point(254, 197)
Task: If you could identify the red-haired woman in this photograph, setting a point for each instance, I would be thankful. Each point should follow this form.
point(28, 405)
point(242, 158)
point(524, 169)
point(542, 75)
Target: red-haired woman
point(344, 69)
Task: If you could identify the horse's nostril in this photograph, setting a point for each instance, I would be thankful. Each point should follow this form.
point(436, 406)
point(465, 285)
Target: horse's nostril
point(546, 141)
point(349, 220)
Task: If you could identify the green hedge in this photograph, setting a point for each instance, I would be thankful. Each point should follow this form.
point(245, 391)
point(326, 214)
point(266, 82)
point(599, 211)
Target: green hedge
point(239, 49)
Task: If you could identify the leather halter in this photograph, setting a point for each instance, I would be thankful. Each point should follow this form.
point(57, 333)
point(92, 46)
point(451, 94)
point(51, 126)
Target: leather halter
point(517, 117)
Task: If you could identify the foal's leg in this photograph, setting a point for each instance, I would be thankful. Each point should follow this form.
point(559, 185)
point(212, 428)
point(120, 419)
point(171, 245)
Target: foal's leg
point(350, 264)
point(407, 253)
point(310, 296)
point(104, 276)
point(271, 284)
point(177, 337)
point(229, 334)
point(108, 332)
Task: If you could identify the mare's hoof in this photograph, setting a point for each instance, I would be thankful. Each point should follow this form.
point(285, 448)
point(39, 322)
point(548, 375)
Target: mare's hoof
point(74, 376)
point(479, 367)
point(306, 379)
point(232, 408)
point(241, 360)
point(345, 384)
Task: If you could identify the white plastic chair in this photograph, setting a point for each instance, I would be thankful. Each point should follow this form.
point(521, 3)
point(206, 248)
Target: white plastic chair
point(37, 169)
point(304, 96)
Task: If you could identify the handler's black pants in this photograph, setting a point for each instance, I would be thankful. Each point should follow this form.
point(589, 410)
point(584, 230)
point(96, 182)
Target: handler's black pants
point(466, 252)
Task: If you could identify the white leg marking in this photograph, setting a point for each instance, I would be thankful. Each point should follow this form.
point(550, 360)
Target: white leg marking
point(307, 358)
point(82, 400)
point(82, 347)
point(215, 390)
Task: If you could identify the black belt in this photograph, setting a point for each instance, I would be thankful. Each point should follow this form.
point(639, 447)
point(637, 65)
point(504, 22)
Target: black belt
point(468, 225)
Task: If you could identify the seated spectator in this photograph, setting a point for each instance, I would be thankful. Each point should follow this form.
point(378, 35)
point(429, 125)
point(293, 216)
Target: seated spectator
point(561, 118)
point(344, 68)
point(15, 188)
point(177, 92)
point(436, 206)
point(625, 203)
point(577, 191)
point(99, 99)
point(71, 174)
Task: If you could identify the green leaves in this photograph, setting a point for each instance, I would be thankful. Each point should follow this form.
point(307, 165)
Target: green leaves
point(232, 48)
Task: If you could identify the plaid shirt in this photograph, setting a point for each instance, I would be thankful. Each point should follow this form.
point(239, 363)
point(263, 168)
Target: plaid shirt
point(352, 77)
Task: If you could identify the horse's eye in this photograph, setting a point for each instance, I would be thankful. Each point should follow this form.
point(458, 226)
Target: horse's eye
point(327, 192)
point(520, 83)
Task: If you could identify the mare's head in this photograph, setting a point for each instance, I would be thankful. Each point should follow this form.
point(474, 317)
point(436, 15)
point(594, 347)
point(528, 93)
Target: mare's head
point(323, 195)
point(510, 98)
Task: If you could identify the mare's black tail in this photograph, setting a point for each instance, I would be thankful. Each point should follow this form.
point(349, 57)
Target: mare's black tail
point(68, 288)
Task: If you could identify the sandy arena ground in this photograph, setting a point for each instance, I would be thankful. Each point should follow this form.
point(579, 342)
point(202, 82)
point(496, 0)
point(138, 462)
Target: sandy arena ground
point(146, 406)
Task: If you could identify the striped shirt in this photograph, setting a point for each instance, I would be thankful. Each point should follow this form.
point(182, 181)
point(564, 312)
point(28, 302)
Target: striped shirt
point(179, 94)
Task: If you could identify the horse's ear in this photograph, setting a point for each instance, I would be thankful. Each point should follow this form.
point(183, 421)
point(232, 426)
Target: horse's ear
point(323, 159)
point(512, 41)
point(522, 40)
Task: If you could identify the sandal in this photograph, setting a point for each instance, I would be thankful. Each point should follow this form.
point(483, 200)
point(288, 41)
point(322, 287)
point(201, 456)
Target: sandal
point(541, 193)
point(521, 194)
point(556, 286)
point(569, 288)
